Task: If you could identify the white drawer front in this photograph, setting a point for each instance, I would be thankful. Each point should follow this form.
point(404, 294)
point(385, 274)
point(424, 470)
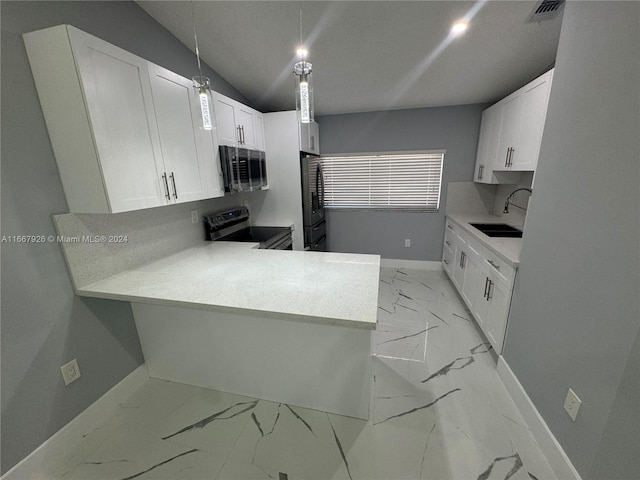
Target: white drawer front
point(499, 267)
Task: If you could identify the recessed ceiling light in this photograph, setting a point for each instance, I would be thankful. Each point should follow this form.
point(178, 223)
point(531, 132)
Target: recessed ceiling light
point(458, 28)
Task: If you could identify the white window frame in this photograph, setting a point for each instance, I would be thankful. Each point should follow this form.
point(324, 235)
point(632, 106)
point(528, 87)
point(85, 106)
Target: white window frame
point(375, 185)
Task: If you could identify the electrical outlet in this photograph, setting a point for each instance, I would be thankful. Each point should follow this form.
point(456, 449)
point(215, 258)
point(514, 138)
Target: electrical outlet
point(194, 216)
point(407, 242)
point(572, 404)
point(70, 371)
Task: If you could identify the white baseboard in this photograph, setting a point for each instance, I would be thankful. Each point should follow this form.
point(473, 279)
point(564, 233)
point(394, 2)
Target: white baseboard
point(410, 264)
point(556, 456)
point(87, 420)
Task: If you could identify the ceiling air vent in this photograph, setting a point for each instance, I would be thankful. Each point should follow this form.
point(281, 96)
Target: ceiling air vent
point(544, 10)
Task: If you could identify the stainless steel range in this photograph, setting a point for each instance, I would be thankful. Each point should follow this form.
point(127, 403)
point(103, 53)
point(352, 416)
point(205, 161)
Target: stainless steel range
point(233, 226)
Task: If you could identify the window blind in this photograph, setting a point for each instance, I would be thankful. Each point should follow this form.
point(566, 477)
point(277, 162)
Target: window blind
point(402, 181)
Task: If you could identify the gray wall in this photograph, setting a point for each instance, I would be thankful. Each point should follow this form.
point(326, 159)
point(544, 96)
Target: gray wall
point(44, 325)
point(575, 313)
point(455, 129)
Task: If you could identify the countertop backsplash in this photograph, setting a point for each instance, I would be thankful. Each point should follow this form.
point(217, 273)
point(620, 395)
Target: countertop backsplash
point(516, 216)
point(470, 197)
point(479, 198)
point(101, 245)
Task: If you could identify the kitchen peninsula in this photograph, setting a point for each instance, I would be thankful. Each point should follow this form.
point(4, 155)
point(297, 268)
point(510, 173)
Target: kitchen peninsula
point(287, 326)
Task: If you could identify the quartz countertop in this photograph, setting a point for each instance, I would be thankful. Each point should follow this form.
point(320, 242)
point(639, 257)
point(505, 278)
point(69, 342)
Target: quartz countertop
point(506, 248)
point(320, 287)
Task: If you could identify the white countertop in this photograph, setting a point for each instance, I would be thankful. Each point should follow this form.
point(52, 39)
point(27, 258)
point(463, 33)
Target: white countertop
point(320, 287)
point(506, 248)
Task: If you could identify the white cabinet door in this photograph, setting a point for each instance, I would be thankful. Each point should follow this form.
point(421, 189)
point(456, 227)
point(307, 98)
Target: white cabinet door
point(488, 144)
point(524, 113)
point(509, 130)
point(309, 138)
point(472, 275)
point(258, 129)
point(535, 101)
point(118, 99)
point(481, 306)
point(244, 118)
point(499, 299)
point(178, 120)
point(225, 112)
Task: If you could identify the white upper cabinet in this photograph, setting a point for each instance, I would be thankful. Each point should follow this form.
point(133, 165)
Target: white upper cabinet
point(237, 125)
point(487, 144)
point(224, 109)
point(309, 138)
point(113, 119)
point(534, 113)
point(188, 152)
point(258, 128)
point(511, 133)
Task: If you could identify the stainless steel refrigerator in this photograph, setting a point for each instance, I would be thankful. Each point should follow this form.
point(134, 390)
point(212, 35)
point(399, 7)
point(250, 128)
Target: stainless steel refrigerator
point(315, 224)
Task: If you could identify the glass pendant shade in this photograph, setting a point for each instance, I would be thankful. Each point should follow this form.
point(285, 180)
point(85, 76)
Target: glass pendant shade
point(201, 84)
point(304, 91)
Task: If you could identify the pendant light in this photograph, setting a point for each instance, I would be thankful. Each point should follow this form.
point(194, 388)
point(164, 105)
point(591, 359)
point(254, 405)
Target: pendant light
point(304, 85)
point(202, 85)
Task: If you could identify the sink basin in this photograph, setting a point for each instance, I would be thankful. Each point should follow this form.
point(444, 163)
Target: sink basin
point(498, 230)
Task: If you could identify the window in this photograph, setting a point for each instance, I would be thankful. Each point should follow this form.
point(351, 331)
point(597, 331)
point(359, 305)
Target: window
point(390, 181)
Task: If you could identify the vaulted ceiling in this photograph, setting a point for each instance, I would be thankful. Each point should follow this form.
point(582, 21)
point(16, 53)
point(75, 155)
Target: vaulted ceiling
point(367, 55)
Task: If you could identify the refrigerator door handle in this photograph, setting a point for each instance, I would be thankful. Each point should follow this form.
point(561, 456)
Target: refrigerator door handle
point(320, 188)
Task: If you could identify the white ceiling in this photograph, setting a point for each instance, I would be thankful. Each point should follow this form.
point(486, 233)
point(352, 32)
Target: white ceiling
point(367, 55)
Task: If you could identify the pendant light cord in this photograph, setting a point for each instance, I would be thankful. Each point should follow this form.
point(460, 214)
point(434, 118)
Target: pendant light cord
point(300, 9)
point(195, 36)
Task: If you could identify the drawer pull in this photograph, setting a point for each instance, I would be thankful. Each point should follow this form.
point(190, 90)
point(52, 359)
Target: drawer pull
point(449, 226)
point(497, 267)
point(448, 243)
point(445, 261)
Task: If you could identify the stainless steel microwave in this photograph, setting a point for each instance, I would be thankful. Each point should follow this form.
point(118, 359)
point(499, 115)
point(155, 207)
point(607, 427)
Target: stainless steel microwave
point(243, 169)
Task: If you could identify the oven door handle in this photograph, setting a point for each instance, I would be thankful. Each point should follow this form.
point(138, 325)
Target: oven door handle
point(283, 244)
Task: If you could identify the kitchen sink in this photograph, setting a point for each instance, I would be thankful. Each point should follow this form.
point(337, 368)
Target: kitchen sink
point(498, 230)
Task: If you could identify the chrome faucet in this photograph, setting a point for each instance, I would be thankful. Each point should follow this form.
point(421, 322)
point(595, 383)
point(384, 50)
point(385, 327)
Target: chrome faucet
point(509, 202)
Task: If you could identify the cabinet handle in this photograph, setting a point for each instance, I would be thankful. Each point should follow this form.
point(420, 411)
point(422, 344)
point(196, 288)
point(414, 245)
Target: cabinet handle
point(175, 190)
point(497, 267)
point(166, 185)
point(449, 227)
point(506, 160)
point(486, 284)
point(239, 128)
point(447, 242)
point(445, 261)
point(480, 172)
point(489, 296)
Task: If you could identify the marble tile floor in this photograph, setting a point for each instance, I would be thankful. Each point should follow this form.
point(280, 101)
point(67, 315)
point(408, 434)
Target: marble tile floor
point(438, 411)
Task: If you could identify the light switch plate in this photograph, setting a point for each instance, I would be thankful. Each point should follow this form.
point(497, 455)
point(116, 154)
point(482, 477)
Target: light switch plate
point(572, 404)
point(194, 216)
point(70, 371)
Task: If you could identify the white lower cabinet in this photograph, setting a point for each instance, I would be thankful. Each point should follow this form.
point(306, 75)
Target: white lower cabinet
point(484, 281)
point(498, 298)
